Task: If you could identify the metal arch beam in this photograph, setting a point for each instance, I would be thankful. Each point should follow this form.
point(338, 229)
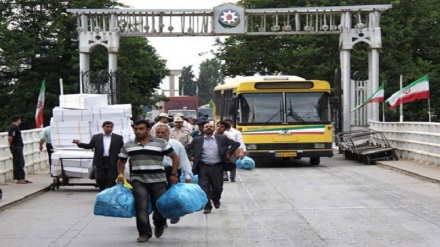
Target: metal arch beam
point(160, 22)
point(352, 23)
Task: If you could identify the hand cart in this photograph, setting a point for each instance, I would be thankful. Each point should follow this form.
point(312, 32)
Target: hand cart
point(368, 147)
point(64, 180)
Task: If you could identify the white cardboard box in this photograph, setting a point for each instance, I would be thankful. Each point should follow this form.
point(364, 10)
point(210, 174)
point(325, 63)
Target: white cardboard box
point(63, 141)
point(73, 158)
point(83, 101)
point(71, 172)
point(70, 127)
point(112, 111)
point(63, 115)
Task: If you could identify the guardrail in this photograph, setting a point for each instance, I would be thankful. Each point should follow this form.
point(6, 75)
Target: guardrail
point(419, 141)
point(34, 159)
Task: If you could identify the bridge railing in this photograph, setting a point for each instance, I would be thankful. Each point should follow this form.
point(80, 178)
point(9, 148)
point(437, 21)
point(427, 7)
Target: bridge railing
point(418, 141)
point(34, 159)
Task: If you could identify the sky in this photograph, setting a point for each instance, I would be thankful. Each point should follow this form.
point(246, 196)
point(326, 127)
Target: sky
point(180, 51)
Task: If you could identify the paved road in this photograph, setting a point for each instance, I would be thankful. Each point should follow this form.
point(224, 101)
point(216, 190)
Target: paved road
point(339, 203)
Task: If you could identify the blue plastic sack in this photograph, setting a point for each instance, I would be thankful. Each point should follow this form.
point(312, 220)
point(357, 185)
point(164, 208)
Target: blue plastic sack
point(116, 201)
point(181, 199)
point(194, 178)
point(247, 163)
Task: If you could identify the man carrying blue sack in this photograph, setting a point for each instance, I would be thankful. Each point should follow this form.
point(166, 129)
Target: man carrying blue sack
point(147, 176)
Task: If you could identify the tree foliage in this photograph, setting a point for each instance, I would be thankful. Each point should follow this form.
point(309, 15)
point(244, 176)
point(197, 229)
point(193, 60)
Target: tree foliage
point(187, 84)
point(38, 40)
point(209, 77)
point(410, 34)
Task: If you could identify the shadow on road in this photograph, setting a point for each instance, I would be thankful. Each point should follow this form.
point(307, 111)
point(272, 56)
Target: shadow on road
point(283, 163)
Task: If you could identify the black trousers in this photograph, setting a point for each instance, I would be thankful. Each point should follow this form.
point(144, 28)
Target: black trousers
point(106, 174)
point(211, 181)
point(18, 162)
point(49, 150)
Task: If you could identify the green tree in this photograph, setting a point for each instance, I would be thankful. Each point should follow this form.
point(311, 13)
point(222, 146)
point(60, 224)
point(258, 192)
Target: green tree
point(38, 40)
point(410, 31)
point(209, 77)
point(187, 85)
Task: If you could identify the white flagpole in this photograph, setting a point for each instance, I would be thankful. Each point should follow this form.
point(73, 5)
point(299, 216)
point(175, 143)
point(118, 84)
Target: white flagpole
point(383, 111)
point(401, 105)
point(429, 109)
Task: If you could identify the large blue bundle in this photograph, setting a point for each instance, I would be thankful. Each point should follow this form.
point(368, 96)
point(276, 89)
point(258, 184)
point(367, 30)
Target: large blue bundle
point(116, 201)
point(247, 163)
point(194, 178)
point(181, 199)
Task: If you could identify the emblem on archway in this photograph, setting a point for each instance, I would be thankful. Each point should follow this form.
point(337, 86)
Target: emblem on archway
point(229, 18)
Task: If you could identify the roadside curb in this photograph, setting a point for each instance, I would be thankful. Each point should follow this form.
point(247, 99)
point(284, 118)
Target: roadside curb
point(7, 205)
point(411, 173)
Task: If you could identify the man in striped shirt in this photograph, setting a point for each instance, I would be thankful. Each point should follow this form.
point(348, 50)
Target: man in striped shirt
point(147, 176)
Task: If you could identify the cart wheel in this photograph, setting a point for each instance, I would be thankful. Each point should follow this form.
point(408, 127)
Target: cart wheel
point(314, 161)
point(54, 184)
point(367, 160)
point(346, 155)
point(395, 155)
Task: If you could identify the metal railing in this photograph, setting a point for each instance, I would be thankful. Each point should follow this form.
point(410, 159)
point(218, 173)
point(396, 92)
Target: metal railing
point(34, 159)
point(419, 141)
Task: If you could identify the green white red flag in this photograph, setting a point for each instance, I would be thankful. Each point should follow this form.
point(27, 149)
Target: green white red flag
point(39, 114)
point(376, 97)
point(416, 90)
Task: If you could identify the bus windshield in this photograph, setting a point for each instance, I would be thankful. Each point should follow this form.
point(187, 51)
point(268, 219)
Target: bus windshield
point(276, 108)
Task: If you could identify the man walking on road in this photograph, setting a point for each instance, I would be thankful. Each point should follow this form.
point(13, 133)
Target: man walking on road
point(222, 126)
point(179, 133)
point(163, 131)
point(16, 145)
point(107, 146)
point(147, 176)
point(210, 153)
point(241, 151)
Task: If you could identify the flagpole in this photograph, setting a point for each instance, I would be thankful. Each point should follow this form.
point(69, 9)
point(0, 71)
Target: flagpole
point(429, 109)
point(401, 105)
point(383, 111)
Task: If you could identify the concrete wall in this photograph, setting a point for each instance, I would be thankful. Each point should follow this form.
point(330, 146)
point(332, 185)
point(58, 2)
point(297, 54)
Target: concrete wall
point(34, 159)
point(418, 141)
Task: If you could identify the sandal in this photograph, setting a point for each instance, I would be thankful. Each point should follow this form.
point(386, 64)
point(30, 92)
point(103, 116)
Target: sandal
point(21, 182)
point(27, 181)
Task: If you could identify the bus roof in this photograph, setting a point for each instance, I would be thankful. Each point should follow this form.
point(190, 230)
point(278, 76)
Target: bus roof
point(236, 81)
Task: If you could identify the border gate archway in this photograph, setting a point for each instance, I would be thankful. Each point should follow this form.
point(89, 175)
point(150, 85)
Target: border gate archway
point(353, 24)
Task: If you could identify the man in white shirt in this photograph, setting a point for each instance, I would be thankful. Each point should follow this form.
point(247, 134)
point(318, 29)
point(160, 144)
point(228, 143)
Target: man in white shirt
point(107, 146)
point(241, 151)
point(163, 131)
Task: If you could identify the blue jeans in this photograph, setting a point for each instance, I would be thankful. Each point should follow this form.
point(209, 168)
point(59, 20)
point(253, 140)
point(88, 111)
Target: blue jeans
point(141, 192)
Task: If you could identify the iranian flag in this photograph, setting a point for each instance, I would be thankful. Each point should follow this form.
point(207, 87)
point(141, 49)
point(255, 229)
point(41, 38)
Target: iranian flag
point(39, 117)
point(376, 97)
point(416, 90)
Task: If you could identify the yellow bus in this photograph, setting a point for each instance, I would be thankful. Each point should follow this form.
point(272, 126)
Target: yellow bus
point(278, 116)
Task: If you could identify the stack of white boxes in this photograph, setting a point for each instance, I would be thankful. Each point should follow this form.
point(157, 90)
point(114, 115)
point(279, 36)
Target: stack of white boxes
point(80, 116)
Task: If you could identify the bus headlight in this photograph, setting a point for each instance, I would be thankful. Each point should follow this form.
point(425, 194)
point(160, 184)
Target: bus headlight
point(319, 145)
point(251, 147)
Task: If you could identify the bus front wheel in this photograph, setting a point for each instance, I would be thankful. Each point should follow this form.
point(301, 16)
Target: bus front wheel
point(314, 161)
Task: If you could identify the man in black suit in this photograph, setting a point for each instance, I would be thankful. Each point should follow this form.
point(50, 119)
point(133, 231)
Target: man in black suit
point(107, 146)
point(210, 152)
